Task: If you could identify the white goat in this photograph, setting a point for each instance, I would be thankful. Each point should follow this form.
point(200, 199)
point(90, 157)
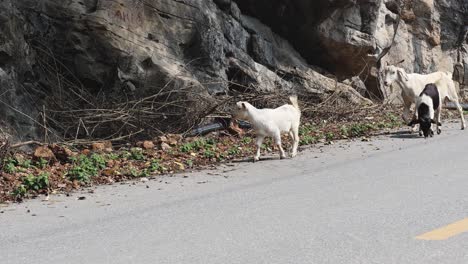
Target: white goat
point(412, 85)
point(272, 122)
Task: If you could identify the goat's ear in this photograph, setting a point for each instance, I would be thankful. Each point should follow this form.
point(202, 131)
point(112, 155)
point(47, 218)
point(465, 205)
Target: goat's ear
point(403, 75)
point(243, 106)
point(413, 122)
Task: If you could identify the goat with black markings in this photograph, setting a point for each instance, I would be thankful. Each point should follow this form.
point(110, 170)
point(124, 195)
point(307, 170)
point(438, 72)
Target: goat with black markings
point(428, 106)
point(412, 84)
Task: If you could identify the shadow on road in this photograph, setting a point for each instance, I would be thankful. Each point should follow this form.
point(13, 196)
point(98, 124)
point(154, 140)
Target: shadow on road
point(404, 135)
point(250, 159)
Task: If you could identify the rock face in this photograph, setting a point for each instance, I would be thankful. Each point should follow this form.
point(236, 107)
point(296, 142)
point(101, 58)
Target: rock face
point(346, 36)
point(71, 59)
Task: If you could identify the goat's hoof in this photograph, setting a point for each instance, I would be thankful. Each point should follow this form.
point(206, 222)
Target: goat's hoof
point(463, 128)
point(255, 159)
point(420, 133)
point(439, 131)
point(293, 155)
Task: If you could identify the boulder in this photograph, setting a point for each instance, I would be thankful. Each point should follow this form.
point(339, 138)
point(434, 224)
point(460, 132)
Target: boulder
point(44, 152)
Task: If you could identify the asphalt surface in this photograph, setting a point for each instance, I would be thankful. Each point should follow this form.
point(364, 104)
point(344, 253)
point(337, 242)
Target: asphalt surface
point(351, 202)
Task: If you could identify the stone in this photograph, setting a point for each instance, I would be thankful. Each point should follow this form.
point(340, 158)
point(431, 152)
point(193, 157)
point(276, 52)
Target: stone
point(105, 146)
point(173, 139)
point(165, 146)
point(62, 153)
point(43, 152)
point(148, 145)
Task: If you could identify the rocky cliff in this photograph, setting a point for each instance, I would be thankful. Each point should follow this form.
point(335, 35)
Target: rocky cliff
point(156, 64)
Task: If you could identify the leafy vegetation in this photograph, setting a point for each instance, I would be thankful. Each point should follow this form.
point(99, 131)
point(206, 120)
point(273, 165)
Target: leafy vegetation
point(32, 183)
point(84, 167)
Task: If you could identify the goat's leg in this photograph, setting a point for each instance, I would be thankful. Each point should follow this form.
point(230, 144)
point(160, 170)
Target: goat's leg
point(258, 143)
point(438, 120)
point(277, 139)
point(462, 117)
point(407, 112)
point(407, 102)
point(295, 137)
point(291, 135)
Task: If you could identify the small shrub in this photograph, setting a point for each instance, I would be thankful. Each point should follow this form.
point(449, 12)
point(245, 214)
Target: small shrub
point(307, 140)
point(98, 160)
point(197, 145)
point(25, 163)
point(344, 131)
point(357, 130)
point(329, 136)
point(9, 168)
point(20, 191)
point(125, 154)
point(306, 129)
point(42, 163)
point(233, 151)
point(9, 165)
point(154, 166)
point(137, 154)
point(84, 168)
point(209, 154)
point(36, 183)
point(112, 156)
point(247, 140)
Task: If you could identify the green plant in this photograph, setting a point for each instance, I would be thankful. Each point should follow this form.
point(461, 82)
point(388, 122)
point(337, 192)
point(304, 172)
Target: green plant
point(20, 191)
point(395, 121)
point(154, 165)
point(42, 163)
point(137, 154)
point(98, 160)
point(112, 156)
point(247, 140)
point(125, 154)
point(136, 173)
point(36, 183)
point(307, 140)
point(9, 165)
point(187, 147)
point(144, 173)
point(83, 167)
point(197, 145)
point(190, 163)
point(306, 129)
point(26, 163)
point(344, 131)
point(9, 168)
point(233, 151)
point(329, 136)
point(357, 130)
point(208, 153)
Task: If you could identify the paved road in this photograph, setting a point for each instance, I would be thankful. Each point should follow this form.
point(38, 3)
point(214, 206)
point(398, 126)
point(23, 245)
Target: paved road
point(352, 202)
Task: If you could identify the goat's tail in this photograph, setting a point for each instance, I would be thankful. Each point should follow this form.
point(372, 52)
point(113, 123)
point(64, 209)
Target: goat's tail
point(294, 102)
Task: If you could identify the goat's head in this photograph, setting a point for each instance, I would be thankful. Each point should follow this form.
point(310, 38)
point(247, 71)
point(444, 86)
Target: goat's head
point(425, 123)
point(392, 73)
point(241, 110)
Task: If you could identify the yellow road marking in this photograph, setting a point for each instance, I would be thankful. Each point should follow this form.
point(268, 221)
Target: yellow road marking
point(446, 231)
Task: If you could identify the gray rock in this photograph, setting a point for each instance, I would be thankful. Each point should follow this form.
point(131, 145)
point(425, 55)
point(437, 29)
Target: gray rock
point(84, 55)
